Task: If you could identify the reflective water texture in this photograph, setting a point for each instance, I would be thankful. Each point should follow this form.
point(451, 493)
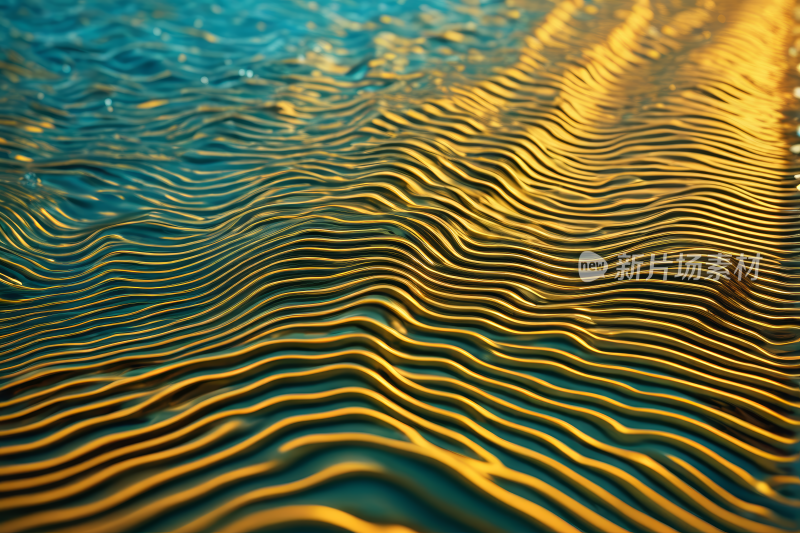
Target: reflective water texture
point(312, 266)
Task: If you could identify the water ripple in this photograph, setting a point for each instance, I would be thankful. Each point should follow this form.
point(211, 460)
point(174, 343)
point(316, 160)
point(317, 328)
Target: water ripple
point(312, 266)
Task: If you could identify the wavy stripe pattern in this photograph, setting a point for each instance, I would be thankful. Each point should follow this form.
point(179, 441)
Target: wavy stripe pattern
point(312, 267)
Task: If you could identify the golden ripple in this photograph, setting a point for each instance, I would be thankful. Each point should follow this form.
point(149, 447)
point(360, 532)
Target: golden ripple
point(341, 293)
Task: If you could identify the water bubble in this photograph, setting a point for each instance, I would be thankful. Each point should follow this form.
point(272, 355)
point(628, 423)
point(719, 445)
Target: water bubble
point(156, 31)
point(31, 180)
point(204, 80)
point(40, 96)
point(241, 72)
point(198, 23)
point(108, 102)
point(66, 68)
point(249, 73)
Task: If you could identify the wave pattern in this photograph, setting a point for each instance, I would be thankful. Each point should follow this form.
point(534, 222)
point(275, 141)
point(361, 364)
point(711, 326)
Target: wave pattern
point(312, 267)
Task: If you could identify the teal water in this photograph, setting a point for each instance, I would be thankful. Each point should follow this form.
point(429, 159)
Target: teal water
point(312, 266)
